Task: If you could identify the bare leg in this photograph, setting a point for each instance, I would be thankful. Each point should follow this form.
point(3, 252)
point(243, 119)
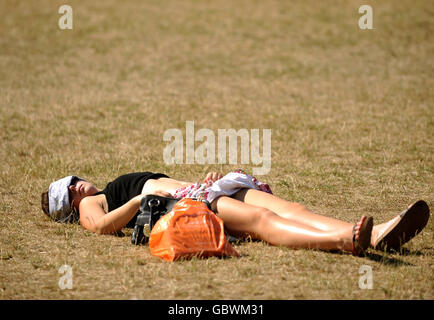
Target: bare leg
point(311, 230)
point(299, 213)
point(290, 210)
point(242, 219)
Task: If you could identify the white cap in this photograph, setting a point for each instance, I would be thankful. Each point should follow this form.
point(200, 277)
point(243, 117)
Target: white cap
point(58, 199)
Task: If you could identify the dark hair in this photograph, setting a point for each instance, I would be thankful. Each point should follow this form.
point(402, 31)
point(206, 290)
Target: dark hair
point(75, 213)
point(74, 180)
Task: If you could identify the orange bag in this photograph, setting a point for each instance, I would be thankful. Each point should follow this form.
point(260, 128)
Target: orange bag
point(190, 229)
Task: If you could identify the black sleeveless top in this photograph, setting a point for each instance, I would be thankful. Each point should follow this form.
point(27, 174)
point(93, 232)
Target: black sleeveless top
point(124, 188)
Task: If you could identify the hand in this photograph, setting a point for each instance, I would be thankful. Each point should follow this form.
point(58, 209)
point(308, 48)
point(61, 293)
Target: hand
point(212, 177)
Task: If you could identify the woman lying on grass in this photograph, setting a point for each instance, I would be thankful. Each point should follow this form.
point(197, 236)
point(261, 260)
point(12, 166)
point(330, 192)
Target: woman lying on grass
point(247, 207)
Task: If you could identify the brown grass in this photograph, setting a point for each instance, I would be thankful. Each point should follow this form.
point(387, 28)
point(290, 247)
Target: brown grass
point(352, 133)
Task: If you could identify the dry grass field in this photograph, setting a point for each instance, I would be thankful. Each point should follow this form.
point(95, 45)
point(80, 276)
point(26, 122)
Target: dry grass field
point(351, 113)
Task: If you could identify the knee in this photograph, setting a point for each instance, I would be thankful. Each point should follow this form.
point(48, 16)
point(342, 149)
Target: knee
point(263, 216)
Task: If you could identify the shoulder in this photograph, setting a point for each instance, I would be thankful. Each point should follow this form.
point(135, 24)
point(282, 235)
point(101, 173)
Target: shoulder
point(91, 210)
point(93, 202)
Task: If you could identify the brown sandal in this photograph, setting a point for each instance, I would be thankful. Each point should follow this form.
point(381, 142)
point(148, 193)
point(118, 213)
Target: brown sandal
point(411, 222)
point(360, 245)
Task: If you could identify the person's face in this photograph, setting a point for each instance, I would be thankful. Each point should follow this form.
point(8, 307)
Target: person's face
point(80, 190)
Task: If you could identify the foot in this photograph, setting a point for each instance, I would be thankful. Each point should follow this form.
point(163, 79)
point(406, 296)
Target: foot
point(361, 235)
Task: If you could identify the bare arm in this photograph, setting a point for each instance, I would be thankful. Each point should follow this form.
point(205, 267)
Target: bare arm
point(94, 218)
